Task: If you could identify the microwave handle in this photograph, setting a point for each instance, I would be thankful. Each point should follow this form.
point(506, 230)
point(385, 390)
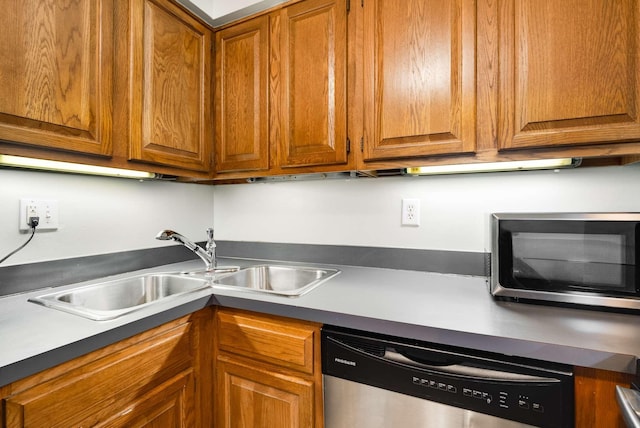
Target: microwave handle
point(629, 402)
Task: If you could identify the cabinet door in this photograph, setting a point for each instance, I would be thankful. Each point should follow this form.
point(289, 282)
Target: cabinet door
point(56, 79)
point(419, 78)
point(242, 102)
point(569, 72)
point(313, 84)
point(252, 397)
point(150, 380)
point(170, 86)
point(165, 406)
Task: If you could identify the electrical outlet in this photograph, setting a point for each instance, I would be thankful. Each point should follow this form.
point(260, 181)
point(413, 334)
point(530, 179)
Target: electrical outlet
point(411, 212)
point(45, 209)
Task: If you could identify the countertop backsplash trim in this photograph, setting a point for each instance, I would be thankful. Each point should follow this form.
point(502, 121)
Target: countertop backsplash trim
point(33, 276)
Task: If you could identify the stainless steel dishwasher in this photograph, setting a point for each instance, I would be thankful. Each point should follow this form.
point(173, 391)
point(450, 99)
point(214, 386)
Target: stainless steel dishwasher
point(378, 381)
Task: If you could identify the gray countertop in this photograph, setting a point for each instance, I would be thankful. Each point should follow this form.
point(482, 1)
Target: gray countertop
point(447, 309)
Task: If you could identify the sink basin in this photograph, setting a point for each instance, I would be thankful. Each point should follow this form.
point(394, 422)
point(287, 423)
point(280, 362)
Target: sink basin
point(111, 299)
point(284, 280)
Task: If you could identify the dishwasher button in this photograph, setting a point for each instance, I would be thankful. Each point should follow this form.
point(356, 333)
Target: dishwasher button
point(537, 407)
point(523, 404)
point(477, 394)
point(467, 392)
point(452, 389)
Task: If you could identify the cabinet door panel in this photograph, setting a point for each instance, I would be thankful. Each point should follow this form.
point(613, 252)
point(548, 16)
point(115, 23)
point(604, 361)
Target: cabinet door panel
point(419, 87)
point(569, 73)
point(170, 105)
point(96, 391)
point(314, 83)
point(257, 398)
point(55, 74)
point(242, 121)
point(288, 345)
point(165, 406)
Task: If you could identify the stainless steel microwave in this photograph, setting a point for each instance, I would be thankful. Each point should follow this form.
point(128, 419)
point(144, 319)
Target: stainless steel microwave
point(571, 258)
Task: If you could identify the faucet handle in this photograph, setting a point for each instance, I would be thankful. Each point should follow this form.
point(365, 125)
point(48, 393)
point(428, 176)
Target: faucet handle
point(210, 242)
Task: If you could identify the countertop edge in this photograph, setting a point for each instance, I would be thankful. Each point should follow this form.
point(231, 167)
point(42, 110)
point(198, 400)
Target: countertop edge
point(525, 348)
point(37, 363)
point(318, 306)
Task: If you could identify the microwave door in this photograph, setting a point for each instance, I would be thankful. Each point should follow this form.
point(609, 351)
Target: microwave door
point(567, 260)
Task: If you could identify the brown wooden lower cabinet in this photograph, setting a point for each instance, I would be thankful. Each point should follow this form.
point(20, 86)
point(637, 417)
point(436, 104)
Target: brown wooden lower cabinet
point(268, 372)
point(265, 371)
point(148, 380)
point(595, 397)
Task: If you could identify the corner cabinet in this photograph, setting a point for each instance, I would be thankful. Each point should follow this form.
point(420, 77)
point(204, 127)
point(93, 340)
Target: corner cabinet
point(569, 72)
point(149, 380)
point(419, 78)
point(56, 85)
point(170, 118)
point(242, 99)
point(281, 91)
point(267, 372)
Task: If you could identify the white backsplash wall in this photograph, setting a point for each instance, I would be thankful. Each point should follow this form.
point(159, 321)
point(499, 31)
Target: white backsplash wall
point(454, 209)
point(99, 214)
point(102, 215)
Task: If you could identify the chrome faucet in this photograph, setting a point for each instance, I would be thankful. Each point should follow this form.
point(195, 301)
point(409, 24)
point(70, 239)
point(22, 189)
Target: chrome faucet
point(208, 255)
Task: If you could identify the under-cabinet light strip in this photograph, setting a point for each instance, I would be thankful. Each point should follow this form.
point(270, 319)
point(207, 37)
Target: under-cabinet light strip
point(75, 168)
point(495, 166)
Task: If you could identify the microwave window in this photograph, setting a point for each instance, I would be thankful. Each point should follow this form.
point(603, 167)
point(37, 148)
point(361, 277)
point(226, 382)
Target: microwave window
point(586, 259)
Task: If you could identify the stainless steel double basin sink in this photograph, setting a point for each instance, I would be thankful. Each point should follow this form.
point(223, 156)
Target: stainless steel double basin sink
point(112, 299)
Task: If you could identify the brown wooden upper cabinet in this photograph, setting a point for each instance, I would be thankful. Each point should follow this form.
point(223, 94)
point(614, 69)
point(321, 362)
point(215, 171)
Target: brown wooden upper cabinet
point(281, 90)
point(56, 85)
point(569, 72)
point(313, 83)
point(170, 120)
point(242, 99)
point(419, 78)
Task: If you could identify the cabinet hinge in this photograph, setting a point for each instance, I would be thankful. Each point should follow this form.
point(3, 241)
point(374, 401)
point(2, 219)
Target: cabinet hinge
point(348, 145)
point(362, 144)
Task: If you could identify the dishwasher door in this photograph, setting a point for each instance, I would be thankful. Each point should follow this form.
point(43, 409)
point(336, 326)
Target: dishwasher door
point(350, 404)
point(377, 381)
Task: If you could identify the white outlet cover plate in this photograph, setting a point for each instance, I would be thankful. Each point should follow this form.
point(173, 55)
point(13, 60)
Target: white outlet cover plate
point(410, 212)
point(45, 209)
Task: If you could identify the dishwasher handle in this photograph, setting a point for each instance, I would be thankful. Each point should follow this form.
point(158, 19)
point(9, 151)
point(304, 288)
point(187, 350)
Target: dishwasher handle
point(629, 402)
point(392, 355)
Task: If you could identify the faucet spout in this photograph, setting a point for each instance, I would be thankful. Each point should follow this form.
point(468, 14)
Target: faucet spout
point(208, 256)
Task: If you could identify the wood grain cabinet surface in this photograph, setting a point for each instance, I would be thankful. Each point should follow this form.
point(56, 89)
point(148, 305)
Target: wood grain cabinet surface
point(242, 99)
point(419, 78)
point(56, 79)
point(125, 84)
point(569, 72)
point(268, 372)
point(150, 380)
point(170, 122)
point(281, 91)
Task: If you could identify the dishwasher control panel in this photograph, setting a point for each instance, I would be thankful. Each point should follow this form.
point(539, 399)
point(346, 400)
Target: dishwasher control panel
point(539, 395)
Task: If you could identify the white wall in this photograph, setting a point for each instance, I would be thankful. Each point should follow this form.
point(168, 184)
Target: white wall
point(219, 8)
point(103, 215)
point(454, 209)
point(99, 214)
